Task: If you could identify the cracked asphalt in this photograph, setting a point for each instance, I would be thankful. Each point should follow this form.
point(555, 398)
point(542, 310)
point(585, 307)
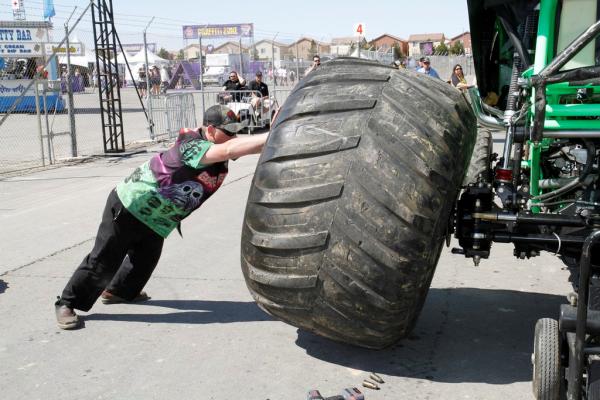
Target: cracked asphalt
point(201, 336)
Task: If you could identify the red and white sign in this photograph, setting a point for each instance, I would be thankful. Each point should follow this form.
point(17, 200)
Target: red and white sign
point(359, 29)
point(17, 5)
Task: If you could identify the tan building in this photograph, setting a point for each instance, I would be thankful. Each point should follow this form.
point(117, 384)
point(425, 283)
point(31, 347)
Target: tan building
point(270, 50)
point(465, 38)
point(424, 44)
point(229, 48)
point(308, 47)
point(191, 51)
point(387, 41)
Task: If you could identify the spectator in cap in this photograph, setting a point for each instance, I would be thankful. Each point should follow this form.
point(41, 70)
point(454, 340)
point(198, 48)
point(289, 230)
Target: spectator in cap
point(260, 94)
point(147, 206)
point(427, 70)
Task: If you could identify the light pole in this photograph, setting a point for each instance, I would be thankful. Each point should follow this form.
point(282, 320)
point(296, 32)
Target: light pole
point(273, 62)
point(70, 89)
point(148, 98)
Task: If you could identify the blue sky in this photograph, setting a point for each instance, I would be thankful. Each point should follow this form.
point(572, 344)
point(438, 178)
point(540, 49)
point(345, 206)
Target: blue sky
point(289, 20)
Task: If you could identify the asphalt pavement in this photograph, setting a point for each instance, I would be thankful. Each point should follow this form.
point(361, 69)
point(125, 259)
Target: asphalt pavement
point(202, 337)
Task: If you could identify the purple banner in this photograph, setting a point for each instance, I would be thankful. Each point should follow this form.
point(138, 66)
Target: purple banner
point(218, 31)
point(426, 48)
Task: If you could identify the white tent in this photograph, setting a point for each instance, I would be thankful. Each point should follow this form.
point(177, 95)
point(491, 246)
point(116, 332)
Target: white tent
point(140, 57)
point(81, 61)
point(121, 58)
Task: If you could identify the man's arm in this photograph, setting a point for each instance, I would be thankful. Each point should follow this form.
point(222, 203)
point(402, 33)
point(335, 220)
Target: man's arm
point(234, 148)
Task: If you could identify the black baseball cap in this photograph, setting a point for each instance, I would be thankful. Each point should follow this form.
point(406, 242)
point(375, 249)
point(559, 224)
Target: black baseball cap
point(224, 118)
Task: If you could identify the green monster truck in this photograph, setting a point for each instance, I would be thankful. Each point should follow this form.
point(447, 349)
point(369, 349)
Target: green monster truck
point(369, 170)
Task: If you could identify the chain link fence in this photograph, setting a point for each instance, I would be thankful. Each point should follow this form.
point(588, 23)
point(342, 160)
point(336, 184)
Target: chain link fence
point(49, 100)
point(58, 112)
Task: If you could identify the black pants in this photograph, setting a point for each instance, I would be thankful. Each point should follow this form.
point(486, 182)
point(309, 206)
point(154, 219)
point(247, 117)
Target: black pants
point(124, 255)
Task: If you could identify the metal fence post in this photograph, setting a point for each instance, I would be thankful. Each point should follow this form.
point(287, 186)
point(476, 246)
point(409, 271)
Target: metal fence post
point(201, 70)
point(39, 119)
point(241, 59)
point(148, 90)
point(71, 109)
point(297, 64)
point(45, 105)
point(48, 132)
point(273, 62)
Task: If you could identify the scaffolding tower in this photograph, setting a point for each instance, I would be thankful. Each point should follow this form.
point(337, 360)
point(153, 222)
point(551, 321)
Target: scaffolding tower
point(109, 83)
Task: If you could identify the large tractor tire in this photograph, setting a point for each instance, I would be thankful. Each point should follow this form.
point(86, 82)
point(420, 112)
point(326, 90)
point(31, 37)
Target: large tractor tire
point(351, 200)
point(480, 164)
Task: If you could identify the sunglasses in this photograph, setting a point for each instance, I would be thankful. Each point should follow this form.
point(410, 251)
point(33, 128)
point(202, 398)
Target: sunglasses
point(456, 69)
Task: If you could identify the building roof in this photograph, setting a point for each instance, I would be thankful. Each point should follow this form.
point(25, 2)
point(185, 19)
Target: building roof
point(388, 35)
point(460, 35)
point(343, 40)
point(26, 24)
point(424, 37)
point(274, 43)
point(234, 44)
point(195, 47)
point(302, 39)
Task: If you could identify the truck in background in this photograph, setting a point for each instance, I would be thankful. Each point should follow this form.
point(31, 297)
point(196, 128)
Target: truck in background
point(218, 67)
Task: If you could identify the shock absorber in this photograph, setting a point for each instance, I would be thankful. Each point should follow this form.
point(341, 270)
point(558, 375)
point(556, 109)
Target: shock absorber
point(511, 105)
point(530, 30)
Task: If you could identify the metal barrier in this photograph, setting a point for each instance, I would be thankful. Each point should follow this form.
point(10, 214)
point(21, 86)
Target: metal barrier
point(171, 112)
point(177, 110)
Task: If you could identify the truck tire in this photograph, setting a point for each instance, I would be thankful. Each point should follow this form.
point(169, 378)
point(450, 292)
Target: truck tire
point(479, 166)
point(351, 199)
point(547, 375)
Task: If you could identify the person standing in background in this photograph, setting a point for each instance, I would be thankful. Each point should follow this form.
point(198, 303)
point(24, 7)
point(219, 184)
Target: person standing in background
point(316, 64)
point(427, 70)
